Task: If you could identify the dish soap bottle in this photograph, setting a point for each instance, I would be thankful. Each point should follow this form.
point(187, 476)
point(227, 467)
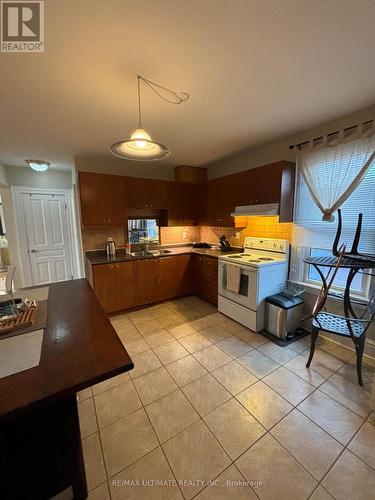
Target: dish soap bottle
point(111, 248)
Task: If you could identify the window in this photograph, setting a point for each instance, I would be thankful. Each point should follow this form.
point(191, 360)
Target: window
point(340, 278)
point(140, 230)
point(312, 236)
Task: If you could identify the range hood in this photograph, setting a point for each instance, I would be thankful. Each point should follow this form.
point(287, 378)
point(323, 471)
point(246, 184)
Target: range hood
point(248, 210)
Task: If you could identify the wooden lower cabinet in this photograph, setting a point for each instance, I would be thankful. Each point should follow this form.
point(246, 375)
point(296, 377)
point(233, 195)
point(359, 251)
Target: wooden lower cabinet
point(146, 281)
point(126, 296)
point(185, 275)
point(131, 284)
point(205, 277)
point(114, 285)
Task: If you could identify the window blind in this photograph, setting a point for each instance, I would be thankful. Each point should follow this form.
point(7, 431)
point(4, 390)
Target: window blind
point(311, 231)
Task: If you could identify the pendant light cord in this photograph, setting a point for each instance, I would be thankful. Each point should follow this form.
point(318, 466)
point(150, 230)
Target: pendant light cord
point(177, 97)
point(139, 102)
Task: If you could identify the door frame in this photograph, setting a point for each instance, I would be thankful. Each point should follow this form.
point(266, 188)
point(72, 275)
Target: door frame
point(24, 261)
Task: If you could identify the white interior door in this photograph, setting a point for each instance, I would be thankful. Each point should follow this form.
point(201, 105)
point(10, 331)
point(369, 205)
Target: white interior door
point(48, 241)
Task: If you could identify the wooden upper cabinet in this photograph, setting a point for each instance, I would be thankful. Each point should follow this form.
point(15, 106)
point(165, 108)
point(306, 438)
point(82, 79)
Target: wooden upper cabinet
point(287, 191)
point(145, 193)
point(273, 183)
point(175, 203)
point(102, 198)
point(263, 184)
point(114, 196)
point(201, 201)
point(221, 200)
point(190, 196)
point(267, 184)
point(91, 191)
point(182, 203)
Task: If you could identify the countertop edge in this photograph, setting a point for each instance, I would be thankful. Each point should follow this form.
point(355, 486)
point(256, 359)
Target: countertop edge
point(208, 252)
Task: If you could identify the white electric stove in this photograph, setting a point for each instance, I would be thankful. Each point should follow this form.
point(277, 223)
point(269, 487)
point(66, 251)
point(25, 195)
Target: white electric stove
point(264, 270)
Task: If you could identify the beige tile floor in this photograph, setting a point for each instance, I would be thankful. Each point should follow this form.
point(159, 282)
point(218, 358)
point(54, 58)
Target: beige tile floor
point(215, 411)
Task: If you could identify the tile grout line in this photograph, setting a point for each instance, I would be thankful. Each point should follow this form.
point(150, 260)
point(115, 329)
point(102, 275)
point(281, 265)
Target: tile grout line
point(157, 437)
point(294, 406)
point(345, 447)
point(101, 448)
point(344, 362)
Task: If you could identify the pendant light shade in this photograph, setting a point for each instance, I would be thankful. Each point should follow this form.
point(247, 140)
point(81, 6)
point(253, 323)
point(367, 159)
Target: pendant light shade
point(140, 146)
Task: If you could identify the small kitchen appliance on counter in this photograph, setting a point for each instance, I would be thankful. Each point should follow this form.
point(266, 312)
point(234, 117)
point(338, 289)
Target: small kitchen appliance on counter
point(225, 246)
point(111, 248)
point(263, 270)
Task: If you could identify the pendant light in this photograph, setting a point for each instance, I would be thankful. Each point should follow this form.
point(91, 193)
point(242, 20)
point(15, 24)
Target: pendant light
point(140, 146)
point(38, 165)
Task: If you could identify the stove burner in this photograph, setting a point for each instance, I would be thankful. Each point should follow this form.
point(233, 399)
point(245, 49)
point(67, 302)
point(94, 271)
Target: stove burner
point(234, 256)
point(266, 258)
point(252, 260)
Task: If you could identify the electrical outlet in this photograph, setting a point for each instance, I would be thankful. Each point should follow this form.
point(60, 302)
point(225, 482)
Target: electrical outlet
point(238, 235)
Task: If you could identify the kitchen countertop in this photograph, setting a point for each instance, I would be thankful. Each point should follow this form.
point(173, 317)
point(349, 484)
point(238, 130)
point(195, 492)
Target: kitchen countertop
point(38, 406)
point(100, 256)
point(80, 348)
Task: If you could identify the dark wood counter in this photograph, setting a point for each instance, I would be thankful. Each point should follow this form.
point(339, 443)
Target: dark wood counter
point(38, 407)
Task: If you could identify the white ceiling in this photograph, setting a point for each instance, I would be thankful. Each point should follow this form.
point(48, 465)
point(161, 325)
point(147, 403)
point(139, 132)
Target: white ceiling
point(255, 71)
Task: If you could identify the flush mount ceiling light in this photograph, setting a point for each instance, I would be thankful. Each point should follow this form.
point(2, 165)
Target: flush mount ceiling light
point(38, 165)
point(140, 146)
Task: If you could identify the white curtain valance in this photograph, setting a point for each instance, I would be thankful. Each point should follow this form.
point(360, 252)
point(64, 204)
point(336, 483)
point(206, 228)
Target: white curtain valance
point(333, 167)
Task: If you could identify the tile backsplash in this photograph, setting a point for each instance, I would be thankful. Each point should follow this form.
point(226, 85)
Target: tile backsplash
point(95, 239)
point(180, 234)
point(266, 227)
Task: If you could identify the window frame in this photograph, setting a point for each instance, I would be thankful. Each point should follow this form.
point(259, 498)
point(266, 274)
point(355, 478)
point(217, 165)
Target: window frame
point(299, 274)
point(143, 218)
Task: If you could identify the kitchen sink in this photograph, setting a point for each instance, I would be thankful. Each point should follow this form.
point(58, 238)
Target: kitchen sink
point(141, 253)
point(150, 253)
point(162, 251)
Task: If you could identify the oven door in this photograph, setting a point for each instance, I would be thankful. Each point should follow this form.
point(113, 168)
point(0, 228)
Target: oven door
point(247, 295)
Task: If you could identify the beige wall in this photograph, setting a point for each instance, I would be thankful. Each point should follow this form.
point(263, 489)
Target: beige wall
point(25, 176)
point(11, 233)
point(111, 165)
point(3, 179)
point(279, 149)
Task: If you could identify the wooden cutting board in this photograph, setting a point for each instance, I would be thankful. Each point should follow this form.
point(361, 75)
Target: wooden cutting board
point(22, 320)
